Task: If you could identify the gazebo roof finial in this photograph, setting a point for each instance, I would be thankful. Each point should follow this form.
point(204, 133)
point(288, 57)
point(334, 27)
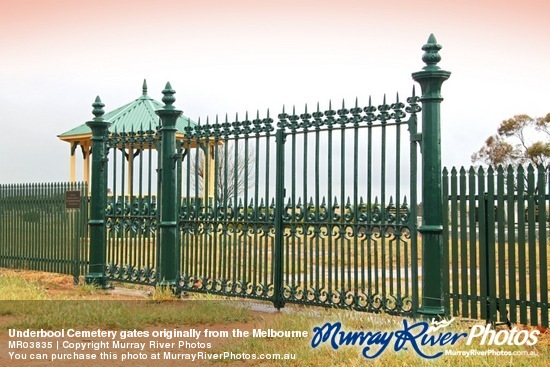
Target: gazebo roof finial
point(144, 87)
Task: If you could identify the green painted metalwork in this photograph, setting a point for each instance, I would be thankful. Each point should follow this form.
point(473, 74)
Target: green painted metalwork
point(278, 281)
point(168, 268)
point(285, 243)
point(497, 231)
point(131, 207)
point(99, 126)
point(431, 78)
point(316, 213)
point(317, 208)
point(37, 232)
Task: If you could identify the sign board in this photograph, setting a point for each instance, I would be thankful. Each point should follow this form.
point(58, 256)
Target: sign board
point(72, 200)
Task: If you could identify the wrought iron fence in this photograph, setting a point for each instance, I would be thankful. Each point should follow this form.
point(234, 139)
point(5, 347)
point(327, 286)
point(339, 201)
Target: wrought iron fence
point(40, 231)
point(322, 211)
point(317, 208)
point(497, 230)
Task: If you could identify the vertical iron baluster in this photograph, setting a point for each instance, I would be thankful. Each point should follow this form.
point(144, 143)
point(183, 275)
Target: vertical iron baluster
point(383, 117)
point(473, 219)
point(454, 242)
point(355, 196)
point(342, 265)
point(446, 236)
point(330, 208)
point(370, 117)
point(532, 245)
point(501, 241)
point(543, 181)
point(464, 267)
point(511, 219)
point(521, 243)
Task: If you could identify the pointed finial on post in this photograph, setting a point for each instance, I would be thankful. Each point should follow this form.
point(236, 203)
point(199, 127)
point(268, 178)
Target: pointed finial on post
point(98, 110)
point(168, 98)
point(144, 88)
point(431, 53)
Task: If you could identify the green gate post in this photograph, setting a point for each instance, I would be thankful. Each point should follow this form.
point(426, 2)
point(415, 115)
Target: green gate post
point(278, 300)
point(98, 198)
point(168, 263)
point(430, 79)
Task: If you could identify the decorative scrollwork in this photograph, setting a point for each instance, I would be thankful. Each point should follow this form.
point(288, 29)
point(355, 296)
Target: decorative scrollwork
point(129, 273)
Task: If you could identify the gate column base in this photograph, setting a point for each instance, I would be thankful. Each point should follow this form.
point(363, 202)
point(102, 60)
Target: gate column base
point(278, 304)
point(96, 279)
point(431, 312)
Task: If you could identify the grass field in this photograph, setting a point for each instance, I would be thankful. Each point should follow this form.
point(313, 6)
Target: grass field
point(50, 301)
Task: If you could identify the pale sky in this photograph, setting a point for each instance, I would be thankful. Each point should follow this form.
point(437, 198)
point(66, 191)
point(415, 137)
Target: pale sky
point(233, 56)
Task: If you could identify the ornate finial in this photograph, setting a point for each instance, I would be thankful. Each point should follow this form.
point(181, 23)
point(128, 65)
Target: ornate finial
point(431, 55)
point(98, 111)
point(168, 98)
point(144, 88)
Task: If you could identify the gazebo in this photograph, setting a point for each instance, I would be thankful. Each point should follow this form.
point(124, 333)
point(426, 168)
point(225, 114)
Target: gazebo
point(134, 116)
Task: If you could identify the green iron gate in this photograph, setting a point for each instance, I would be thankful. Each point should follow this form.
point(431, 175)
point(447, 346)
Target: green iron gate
point(131, 215)
point(303, 212)
point(315, 208)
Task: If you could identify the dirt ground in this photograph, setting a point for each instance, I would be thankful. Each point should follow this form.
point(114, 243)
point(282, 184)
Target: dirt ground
point(59, 285)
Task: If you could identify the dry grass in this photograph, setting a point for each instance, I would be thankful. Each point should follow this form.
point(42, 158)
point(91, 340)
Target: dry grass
point(140, 314)
point(307, 319)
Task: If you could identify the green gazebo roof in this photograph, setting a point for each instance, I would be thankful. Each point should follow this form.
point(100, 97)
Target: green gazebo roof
point(134, 116)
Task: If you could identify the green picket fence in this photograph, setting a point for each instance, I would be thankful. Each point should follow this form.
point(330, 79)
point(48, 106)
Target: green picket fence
point(39, 232)
point(497, 236)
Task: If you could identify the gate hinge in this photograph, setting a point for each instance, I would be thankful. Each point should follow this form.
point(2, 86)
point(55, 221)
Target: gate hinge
point(416, 137)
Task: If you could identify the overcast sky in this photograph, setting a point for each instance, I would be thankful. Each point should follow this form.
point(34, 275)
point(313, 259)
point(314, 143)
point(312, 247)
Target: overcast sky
point(232, 56)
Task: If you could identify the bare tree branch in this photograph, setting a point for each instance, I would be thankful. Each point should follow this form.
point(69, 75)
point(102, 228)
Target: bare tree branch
point(234, 170)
